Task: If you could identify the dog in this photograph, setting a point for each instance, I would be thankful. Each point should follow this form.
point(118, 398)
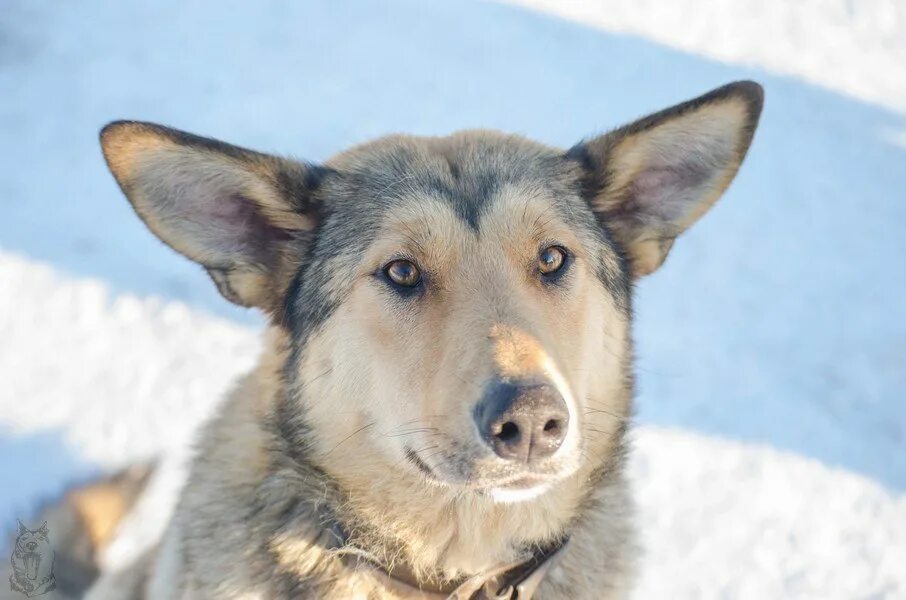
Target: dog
point(32, 562)
point(442, 404)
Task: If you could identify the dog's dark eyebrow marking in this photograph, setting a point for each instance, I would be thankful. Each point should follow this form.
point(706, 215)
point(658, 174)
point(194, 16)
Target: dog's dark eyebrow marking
point(467, 193)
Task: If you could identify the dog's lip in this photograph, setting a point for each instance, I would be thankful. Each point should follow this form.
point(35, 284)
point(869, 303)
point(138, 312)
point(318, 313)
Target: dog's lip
point(523, 479)
point(520, 481)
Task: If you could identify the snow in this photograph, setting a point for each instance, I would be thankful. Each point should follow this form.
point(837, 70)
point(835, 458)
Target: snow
point(855, 48)
point(770, 456)
point(775, 524)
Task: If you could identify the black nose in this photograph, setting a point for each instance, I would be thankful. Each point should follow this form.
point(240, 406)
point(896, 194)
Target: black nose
point(522, 422)
point(31, 545)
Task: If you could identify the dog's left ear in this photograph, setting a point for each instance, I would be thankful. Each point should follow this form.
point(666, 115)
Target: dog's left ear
point(43, 528)
point(649, 181)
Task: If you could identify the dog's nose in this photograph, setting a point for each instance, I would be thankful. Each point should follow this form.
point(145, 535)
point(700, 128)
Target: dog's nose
point(522, 422)
point(31, 545)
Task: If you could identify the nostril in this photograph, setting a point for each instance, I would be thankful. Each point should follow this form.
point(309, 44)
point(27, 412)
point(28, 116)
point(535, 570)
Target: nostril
point(509, 432)
point(522, 421)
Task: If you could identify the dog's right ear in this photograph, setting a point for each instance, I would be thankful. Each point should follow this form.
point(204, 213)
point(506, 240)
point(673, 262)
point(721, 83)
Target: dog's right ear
point(22, 528)
point(241, 214)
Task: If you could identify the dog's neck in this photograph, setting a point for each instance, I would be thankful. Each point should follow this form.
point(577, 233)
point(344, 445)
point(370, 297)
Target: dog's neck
point(436, 532)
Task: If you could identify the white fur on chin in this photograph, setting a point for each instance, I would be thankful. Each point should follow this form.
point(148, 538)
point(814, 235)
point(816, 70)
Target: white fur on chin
point(505, 496)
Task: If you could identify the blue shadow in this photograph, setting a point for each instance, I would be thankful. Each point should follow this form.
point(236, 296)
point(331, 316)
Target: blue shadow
point(36, 469)
point(780, 319)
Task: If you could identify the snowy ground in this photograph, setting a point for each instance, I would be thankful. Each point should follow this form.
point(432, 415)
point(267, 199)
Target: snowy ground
point(771, 447)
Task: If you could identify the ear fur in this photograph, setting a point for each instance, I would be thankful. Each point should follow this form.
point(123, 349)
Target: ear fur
point(649, 181)
point(238, 213)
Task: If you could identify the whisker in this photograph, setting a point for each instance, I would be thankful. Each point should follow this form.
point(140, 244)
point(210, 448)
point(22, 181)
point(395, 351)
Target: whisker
point(348, 437)
point(411, 431)
point(591, 411)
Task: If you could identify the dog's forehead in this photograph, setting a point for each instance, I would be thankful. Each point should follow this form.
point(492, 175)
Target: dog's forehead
point(479, 181)
point(466, 170)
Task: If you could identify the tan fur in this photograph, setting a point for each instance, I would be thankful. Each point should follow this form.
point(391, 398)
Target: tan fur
point(101, 508)
point(140, 157)
point(715, 128)
point(352, 450)
point(101, 505)
point(437, 532)
point(134, 152)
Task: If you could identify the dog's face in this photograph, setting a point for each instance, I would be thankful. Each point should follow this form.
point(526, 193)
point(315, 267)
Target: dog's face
point(472, 291)
point(456, 308)
point(32, 551)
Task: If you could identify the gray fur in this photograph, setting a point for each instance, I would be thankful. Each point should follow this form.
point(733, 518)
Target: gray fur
point(269, 510)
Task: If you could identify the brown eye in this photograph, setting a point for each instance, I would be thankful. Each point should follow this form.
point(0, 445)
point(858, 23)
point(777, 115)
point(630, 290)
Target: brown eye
point(551, 260)
point(403, 273)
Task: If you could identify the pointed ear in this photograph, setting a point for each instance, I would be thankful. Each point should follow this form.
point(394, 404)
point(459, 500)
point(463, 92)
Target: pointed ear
point(242, 215)
point(22, 528)
point(43, 528)
point(649, 181)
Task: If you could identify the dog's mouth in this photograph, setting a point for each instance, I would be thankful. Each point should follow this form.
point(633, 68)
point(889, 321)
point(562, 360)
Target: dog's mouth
point(522, 482)
point(506, 484)
point(520, 489)
point(32, 561)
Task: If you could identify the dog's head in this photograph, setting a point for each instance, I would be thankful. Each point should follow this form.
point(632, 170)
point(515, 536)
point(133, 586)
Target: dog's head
point(456, 308)
point(33, 555)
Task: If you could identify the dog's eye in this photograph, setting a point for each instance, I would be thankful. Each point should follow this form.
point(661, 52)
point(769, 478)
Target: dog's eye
point(551, 260)
point(403, 273)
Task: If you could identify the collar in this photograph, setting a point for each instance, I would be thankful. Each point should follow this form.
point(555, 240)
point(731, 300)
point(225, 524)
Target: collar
point(511, 581)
